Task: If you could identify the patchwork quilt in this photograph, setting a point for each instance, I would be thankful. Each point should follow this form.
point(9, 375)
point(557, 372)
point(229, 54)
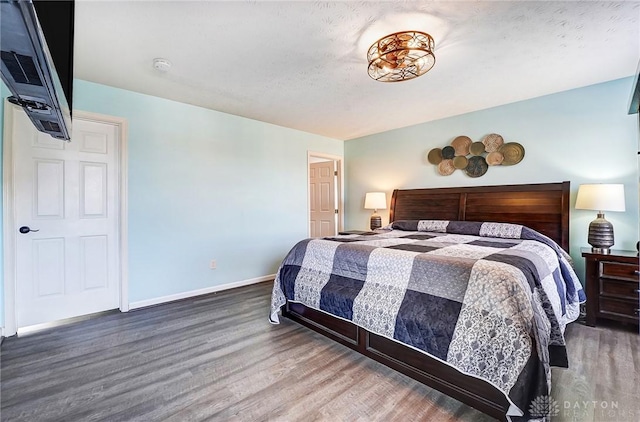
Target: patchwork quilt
point(489, 299)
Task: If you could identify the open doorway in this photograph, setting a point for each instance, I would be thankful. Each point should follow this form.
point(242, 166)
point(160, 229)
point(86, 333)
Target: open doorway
point(325, 194)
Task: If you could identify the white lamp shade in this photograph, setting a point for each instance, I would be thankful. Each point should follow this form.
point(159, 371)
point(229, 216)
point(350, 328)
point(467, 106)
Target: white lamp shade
point(375, 201)
point(601, 197)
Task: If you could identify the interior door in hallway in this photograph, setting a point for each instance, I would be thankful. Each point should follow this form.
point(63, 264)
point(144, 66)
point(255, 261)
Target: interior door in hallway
point(322, 194)
point(66, 210)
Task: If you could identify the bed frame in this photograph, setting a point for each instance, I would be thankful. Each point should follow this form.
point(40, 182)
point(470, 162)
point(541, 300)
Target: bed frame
point(542, 207)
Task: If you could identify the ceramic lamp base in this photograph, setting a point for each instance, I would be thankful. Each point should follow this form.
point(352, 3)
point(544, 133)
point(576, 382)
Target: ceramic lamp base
point(601, 234)
point(376, 221)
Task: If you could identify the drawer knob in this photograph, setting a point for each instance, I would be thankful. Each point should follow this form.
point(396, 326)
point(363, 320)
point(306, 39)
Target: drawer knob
point(637, 272)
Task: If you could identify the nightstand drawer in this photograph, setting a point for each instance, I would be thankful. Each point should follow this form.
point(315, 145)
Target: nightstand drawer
point(621, 308)
point(619, 270)
point(620, 288)
point(611, 285)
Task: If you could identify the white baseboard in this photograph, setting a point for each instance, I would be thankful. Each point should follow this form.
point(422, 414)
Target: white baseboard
point(192, 293)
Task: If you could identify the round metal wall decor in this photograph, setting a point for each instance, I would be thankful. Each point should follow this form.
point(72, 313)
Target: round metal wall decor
point(476, 148)
point(475, 158)
point(513, 153)
point(446, 167)
point(492, 142)
point(448, 152)
point(460, 162)
point(477, 166)
point(435, 156)
point(461, 145)
point(495, 158)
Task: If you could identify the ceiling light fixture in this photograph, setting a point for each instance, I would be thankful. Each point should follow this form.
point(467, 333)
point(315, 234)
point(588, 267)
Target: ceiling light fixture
point(401, 56)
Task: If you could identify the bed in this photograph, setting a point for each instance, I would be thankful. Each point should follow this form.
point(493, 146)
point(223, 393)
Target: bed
point(494, 338)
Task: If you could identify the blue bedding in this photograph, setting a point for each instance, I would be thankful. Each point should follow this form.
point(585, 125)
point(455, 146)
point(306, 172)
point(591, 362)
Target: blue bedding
point(489, 299)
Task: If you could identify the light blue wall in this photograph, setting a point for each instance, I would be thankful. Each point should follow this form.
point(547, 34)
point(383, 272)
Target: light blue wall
point(583, 135)
point(206, 185)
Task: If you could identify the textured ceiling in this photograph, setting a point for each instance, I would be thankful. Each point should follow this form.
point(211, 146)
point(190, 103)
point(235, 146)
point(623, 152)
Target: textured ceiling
point(302, 64)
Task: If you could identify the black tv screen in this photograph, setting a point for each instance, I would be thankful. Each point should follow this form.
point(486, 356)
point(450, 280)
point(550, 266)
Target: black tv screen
point(56, 20)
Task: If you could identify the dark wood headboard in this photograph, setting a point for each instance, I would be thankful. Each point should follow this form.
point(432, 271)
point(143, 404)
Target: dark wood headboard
point(542, 207)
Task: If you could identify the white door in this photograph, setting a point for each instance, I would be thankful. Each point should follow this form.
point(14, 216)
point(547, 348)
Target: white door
point(66, 195)
point(323, 199)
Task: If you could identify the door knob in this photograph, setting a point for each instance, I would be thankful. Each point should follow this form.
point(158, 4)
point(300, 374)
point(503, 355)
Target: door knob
point(26, 229)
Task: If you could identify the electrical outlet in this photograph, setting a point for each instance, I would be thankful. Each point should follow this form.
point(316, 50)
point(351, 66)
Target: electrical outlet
point(212, 264)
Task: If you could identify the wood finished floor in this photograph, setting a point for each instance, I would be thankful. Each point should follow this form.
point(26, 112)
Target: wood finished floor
point(216, 357)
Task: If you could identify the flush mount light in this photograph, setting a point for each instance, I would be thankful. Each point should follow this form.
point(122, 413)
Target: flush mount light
point(401, 56)
point(161, 65)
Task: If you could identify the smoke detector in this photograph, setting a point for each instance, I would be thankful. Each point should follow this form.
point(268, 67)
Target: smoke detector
point(161, 65)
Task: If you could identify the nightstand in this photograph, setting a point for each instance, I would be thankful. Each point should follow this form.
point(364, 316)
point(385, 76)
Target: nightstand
point(612, 285)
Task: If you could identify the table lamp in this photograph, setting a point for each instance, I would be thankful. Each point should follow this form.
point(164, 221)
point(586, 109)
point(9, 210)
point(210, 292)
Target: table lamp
point(375, 201)
point(600, 197)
